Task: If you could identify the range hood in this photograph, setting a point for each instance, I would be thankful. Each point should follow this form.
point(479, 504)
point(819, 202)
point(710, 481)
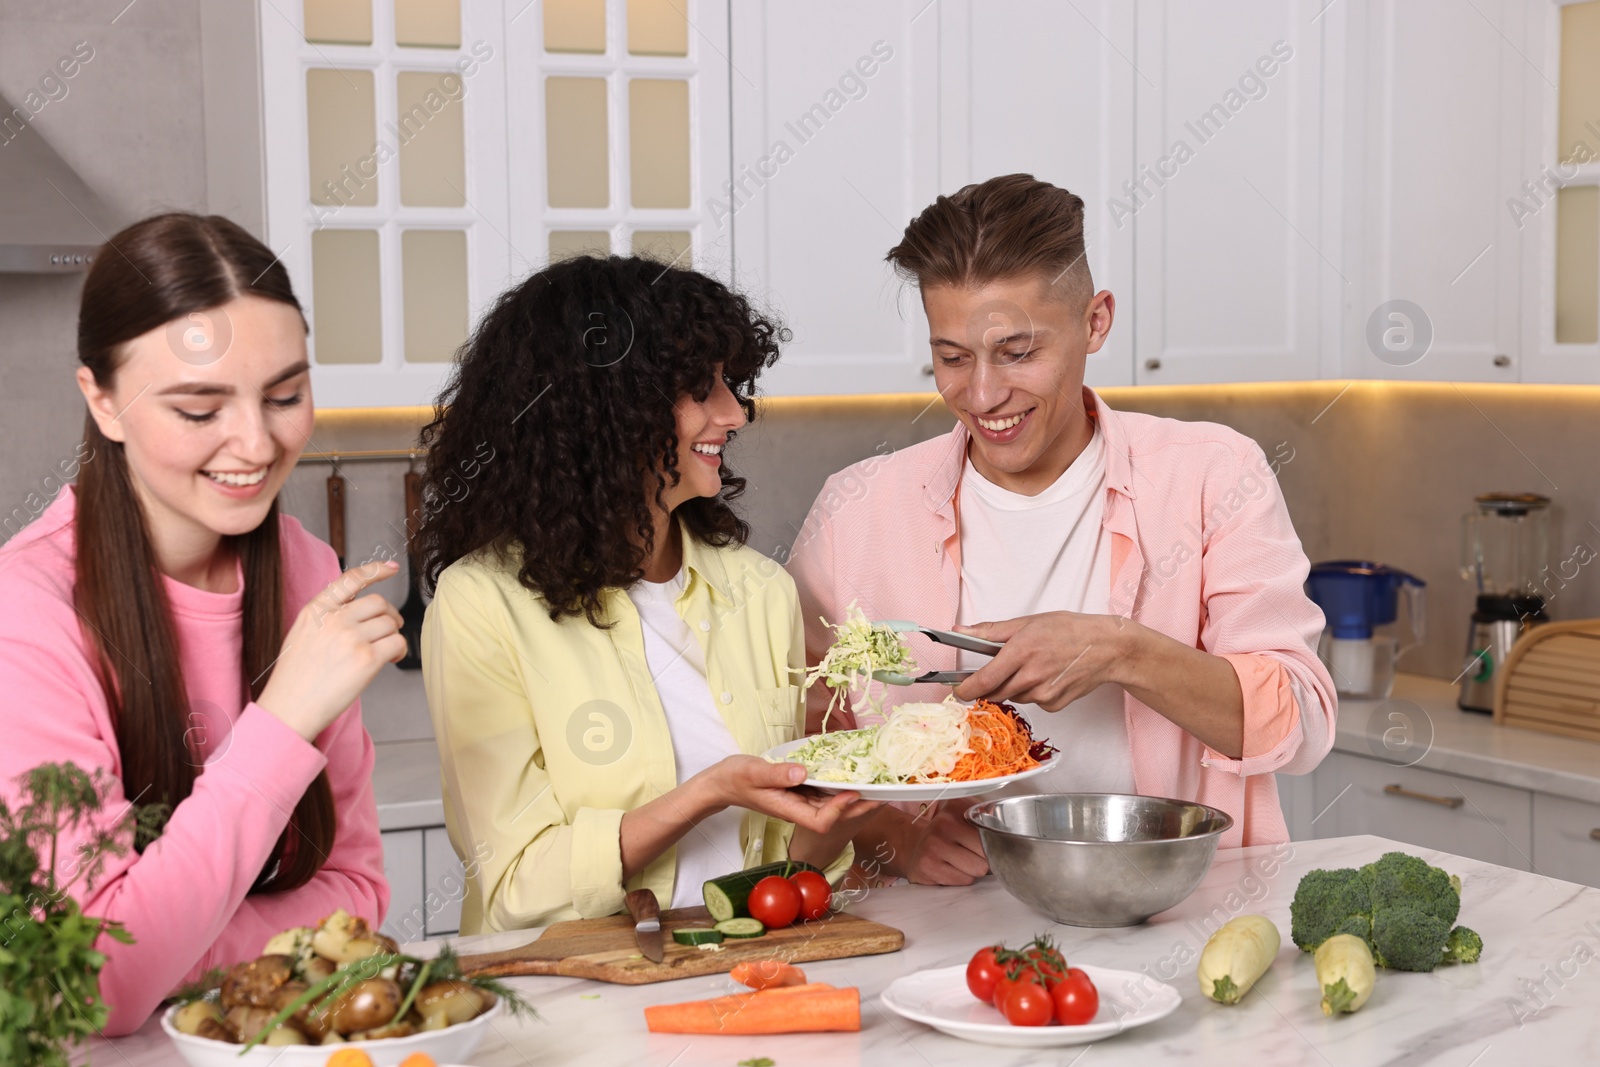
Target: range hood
point(51, 222)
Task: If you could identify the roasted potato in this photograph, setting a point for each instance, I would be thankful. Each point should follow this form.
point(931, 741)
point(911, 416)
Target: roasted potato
point(255, 984)
point(187, 1019)
point(403, 1028)
point(366, 1006)
point(295, 942)
point(217, 1030)
point(246, 1022)
point(313, 1026)
point(346, 938)
point(443, 1004)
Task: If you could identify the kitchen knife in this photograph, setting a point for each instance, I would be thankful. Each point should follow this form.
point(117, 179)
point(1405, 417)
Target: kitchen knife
point(646, 912)
point(336, 515)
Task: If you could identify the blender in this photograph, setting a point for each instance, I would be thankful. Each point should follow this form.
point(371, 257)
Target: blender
point(1360, 600)
point(1505, 544)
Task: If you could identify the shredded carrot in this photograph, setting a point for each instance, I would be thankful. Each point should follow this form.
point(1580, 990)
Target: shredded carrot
point(1000, 743)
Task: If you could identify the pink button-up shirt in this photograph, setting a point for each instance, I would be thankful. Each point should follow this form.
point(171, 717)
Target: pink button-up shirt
point(1202, 551)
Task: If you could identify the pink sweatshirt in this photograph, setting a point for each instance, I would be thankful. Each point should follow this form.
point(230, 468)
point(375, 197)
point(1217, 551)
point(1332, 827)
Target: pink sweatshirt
point(1202, 550)
point(184, 900)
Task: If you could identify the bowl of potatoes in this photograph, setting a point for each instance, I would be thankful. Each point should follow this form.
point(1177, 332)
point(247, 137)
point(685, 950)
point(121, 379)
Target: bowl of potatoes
point(339, 985)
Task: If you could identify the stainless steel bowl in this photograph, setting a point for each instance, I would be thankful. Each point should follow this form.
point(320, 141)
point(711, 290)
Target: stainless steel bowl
point(1098, 859)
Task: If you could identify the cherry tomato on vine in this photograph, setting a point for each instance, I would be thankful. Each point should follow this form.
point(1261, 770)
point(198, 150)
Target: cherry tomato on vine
point(983, 971)
point(1028, 1004)
point(1014, 975)
point(1076, 999)
point(774, 902)
point(1051, 964)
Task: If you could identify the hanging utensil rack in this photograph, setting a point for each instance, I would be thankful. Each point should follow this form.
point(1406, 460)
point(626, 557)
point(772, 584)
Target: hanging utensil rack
point(362, 455)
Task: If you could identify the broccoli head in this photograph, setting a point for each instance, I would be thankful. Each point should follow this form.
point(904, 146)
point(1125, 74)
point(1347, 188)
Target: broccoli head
point(1463, 946)
point(1397, 878)
point(1401, 906)
point(1330, 902)
point(1408, 937)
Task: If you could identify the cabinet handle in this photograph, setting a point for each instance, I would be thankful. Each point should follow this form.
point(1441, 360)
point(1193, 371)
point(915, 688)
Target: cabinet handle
point(1502, 360)
point(1152, 364)
point(1594, 835)
point(1443, 802)
point(927, 370)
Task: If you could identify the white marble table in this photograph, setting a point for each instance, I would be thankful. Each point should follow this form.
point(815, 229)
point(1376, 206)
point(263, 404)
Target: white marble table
point(1536, 931)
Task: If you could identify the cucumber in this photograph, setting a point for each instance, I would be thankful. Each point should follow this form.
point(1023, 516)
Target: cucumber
point(697, 935)
point(741, 928)
point(728, 897)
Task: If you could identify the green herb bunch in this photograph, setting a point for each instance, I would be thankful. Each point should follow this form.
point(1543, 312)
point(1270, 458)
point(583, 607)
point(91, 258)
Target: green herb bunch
point(49, 967)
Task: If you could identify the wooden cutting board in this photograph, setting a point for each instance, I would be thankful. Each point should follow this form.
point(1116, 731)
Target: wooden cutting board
point(605, 950)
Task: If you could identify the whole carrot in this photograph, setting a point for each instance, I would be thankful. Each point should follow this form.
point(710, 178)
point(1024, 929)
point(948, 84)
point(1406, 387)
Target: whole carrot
point(790, 1010)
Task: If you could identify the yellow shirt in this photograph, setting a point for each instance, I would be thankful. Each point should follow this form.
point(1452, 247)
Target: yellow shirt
point(549, 731)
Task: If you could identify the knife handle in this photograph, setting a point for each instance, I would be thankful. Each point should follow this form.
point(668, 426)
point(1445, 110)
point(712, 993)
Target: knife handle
point(643, 906)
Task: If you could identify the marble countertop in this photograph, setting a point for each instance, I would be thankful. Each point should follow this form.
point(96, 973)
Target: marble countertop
point(1420, 723)
point(1536, 930)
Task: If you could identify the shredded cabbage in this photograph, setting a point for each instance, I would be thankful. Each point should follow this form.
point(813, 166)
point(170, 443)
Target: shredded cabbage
point(859, 648)
point(916, 743)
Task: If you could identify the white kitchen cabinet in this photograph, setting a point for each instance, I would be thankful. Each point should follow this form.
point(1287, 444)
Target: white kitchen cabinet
point(444, 881)
point(403, 867)
point(1464, 816)
point(1235, 270)
point(1049, 91)
point(1566, 839)
point(836, 144)
point(1433, 146)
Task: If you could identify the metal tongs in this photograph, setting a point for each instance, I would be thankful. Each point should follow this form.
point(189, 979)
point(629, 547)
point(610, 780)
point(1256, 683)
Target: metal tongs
point(943, 637)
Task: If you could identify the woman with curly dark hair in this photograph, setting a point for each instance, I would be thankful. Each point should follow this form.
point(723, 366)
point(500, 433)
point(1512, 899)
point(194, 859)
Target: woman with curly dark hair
point(603, 655)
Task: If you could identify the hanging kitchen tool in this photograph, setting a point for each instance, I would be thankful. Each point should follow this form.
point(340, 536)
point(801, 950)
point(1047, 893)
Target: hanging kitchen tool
point(412, 610)
point(336, 536)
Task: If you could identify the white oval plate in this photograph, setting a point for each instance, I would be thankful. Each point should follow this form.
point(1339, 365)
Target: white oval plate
point(927, 791)
point(940, 999)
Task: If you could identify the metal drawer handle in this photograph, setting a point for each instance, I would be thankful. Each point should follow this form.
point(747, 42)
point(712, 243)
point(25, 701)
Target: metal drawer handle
point(1594, 835)
point(1443, 802)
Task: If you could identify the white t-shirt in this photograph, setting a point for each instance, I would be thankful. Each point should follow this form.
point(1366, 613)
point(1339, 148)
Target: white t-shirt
point(1025, 555)
point(699, 736)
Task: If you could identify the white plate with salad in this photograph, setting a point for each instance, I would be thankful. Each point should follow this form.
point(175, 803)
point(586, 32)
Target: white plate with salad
point(921, 752)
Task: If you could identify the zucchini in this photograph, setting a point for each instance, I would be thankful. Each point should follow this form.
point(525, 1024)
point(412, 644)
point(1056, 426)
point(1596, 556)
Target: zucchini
point(697, 935)
point(1345, 973)
point(1236, 956)
point(741, 928)
point(728, 897)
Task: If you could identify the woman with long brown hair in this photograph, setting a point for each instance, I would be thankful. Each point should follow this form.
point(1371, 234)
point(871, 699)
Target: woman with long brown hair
point(143, 620)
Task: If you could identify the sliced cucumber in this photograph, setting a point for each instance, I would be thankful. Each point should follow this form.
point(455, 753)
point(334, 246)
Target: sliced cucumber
point(697, 935)
point(728, 897)
point(741, 928)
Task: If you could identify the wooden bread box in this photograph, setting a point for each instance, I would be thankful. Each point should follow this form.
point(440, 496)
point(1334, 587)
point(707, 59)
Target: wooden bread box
point(1551, 680)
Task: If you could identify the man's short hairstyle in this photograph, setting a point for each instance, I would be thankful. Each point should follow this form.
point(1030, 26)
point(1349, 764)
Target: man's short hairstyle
point(1007, 227)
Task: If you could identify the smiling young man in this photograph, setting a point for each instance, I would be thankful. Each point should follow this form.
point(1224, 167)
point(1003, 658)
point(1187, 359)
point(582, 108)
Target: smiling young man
point(1142, 572)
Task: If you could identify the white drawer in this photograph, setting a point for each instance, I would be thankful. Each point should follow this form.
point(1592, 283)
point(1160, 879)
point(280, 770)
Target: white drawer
point(1562, 845)
point(402, 866)
point(1465, 816)
point(446, 883)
